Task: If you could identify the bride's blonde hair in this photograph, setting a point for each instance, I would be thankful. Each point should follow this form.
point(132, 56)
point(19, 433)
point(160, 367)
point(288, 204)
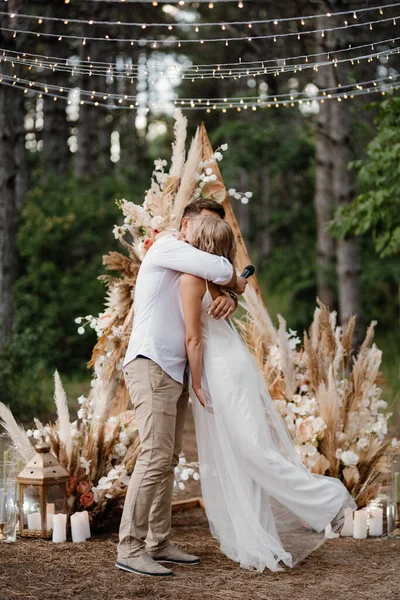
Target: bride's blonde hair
point(215, 236)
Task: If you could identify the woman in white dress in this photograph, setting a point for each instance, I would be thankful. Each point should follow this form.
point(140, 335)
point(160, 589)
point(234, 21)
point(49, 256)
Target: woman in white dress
point(263, 505)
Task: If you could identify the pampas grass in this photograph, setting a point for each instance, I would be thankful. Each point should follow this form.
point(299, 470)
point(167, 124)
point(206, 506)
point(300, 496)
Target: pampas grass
point(189, 180)
point(344, 404)
point(16, 432)
point(64, 425)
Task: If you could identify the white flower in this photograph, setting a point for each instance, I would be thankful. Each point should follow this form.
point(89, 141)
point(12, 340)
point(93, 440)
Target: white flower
point(244, 200)
point(81, 330)
point(182, 460)
point(213, 177)
point(78, 320)
point(82, 413)
point(121, 449)
point(296, 398)
point(37, 434)
point(339, 453)
point(157, 222)
point(85, 464)
point(231, 191)
point(248, 194)
point(209, 171)
point(124, 438)
point(349, 458)
point(181, 485)
point(237, 196)
point(224, 147)
point(304, 388)
point(29, 433)
point(118, 231)
point(81, 400)
point(218, 155)
point(362, 444)
point(196, 476)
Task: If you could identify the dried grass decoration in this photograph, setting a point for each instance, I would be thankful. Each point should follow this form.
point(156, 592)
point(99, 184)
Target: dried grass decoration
point(331, 404)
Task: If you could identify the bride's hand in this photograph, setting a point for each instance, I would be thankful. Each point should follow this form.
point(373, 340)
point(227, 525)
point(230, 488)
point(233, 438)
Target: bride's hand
point(204, 398)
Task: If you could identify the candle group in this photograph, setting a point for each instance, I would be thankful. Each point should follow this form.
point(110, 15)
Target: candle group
point(80, 528)
point(357, 525)
point(59, 528)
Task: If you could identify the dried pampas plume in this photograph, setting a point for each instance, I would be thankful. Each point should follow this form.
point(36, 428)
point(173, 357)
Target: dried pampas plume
point(64, 425)
point(178, 147)
point(16, 433)
point(189, 179)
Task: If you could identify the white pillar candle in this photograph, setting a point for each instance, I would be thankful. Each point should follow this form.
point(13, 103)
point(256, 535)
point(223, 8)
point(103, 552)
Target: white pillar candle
point(78, 528)
point(85, 520)
point(50, 513)
point(59, 528)
point(348, 526)
point(376, 521)
point(360, 525)
point(34, 521)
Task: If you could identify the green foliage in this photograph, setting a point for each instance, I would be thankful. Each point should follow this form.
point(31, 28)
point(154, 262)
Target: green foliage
point(376, 210)
point(66, 227)
point(21, 373)
point(281, 145)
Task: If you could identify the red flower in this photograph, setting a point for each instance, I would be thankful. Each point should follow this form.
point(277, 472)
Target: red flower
point(147, 243)
point(71, 484)
point(87, 499)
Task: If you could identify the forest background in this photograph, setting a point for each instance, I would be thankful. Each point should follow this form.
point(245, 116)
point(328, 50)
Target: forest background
point(324, 219)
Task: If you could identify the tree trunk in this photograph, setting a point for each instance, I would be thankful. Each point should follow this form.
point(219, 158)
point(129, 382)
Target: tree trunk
point(11, 196)
point(262, 214)
point(55, 126)
point(8, 205)
point(324, 200)
point(348, 260)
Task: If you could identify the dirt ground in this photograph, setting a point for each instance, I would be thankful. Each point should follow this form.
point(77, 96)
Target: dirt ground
point(339, 570)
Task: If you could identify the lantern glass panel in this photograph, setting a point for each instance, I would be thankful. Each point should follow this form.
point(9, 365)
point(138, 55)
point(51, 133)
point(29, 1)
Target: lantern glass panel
point(393, 507)
point(8, 510)
point(31, 509)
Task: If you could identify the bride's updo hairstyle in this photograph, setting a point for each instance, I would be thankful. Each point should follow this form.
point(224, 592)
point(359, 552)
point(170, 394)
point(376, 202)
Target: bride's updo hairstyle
point(215, 236)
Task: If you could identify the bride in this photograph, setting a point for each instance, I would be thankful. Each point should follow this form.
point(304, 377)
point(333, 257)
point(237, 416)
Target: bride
point(263, 505)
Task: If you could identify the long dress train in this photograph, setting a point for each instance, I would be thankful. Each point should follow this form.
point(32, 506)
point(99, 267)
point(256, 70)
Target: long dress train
point(262, 503)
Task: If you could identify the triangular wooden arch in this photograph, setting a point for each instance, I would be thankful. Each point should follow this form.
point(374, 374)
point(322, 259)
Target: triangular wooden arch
point(242, 256)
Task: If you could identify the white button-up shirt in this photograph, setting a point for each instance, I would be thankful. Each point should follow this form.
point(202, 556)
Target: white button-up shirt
point(158, 324)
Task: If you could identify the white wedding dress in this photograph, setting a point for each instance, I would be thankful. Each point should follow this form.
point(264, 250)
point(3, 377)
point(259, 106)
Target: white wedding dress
point(263, 506)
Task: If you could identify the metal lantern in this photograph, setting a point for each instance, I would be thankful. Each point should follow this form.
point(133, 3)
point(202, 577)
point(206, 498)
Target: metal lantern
point(42, 493)
point(393, 506)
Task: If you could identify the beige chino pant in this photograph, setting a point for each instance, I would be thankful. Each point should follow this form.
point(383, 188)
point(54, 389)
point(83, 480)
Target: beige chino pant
point(160, 405)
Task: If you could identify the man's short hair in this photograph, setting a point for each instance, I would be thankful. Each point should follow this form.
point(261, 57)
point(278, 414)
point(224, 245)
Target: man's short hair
point(195, 208)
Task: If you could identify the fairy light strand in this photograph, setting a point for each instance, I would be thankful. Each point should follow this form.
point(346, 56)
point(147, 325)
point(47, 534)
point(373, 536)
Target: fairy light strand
point(239, 106)
point(66, 21)
point(221, 73)
point(94, 94)
point(154, 43)
point(203, 67)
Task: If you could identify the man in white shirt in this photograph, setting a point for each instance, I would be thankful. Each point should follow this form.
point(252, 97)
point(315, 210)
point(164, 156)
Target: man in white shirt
point(155, 374)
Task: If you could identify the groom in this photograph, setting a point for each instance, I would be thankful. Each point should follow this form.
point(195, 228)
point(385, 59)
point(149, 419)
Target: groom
point(155, 371)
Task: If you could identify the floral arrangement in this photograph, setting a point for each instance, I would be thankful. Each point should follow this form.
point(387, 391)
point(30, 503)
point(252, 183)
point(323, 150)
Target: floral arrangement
point(332, 404)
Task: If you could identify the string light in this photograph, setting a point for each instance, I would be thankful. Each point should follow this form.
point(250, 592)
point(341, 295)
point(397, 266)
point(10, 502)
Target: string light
point(359, 91)
point(169, 42)
point(275, 21)
point(220, 71)
point(280, 98)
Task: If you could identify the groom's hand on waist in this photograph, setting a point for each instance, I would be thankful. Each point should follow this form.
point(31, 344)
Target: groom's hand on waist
point(222, 307)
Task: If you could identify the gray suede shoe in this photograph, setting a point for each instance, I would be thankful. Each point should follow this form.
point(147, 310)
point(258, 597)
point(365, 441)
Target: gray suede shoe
point(143, 564)
point(173, 555)
point(338, 521)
